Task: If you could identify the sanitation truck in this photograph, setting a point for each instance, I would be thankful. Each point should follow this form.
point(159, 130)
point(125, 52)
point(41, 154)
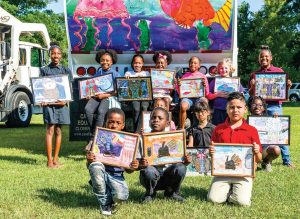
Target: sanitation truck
point(186, 28)
point(19, 61)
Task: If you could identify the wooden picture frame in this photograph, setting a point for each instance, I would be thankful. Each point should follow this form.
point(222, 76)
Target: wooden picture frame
point(227, 84)
point(271, 86)
point(272, 130)
point(201, 161)
point(134, 89)
point(236, 160)
point(191, 88)
point(146, 120)
point(115, 148)
point(96, 85)
point(163, 79)
point(164, 147)
point(49, 89)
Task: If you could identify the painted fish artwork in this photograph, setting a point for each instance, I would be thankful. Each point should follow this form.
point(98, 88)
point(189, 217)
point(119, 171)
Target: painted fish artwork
point(115, 148)
point(191, 88)
point(228, 85)
point(150, 25)
point(163, 79)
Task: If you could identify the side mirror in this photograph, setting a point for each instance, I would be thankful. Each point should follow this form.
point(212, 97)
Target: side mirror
point(5, 50)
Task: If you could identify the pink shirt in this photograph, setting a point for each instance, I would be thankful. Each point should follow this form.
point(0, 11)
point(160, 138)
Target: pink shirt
point(196, 74)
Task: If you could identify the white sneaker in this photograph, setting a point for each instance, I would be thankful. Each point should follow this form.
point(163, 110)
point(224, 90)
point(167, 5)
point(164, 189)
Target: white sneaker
point(106, 210)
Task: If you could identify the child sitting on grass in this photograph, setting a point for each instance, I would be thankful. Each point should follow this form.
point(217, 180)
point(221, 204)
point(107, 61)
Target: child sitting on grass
point(108, 182)
point(235, 130)
point(165, 177)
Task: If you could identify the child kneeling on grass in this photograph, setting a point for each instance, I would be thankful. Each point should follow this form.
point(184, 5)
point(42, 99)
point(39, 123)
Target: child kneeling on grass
point(236, 190)
point(165, 177)
point(108, 182)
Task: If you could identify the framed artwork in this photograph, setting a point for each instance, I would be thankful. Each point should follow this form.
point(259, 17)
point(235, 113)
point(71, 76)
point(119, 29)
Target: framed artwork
point(49, 89)
point(272, 130)
point(229, 85)
point(146, 120)
point(96, 85)
point(233, 160)
point(163, 79)
point(115, 148)
point(164, 147)
point(191, 88)
point(271, 86)
point(135, 88)
point(201, 161)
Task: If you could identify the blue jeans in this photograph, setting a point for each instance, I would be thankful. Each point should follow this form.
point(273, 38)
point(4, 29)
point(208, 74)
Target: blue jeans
point(106, 187)
point(285, 150)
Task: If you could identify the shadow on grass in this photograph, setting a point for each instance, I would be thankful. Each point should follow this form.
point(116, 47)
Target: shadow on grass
point(17, 159)
point(194, 192)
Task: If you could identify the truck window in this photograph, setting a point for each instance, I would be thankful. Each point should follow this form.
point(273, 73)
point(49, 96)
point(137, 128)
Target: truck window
point(22, 57)
point(35, 57)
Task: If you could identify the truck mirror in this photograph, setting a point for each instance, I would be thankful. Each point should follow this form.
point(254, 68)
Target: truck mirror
point(5, 50)
point(45, 57)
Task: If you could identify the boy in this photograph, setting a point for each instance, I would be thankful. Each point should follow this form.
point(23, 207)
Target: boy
point(234, 130)
point(166, 177)
point(108, 182)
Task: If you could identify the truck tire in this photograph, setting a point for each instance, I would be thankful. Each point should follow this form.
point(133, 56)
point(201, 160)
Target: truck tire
point(21, 111)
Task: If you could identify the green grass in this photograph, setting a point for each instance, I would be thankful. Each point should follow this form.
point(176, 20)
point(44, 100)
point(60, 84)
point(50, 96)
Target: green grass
point(29, 190)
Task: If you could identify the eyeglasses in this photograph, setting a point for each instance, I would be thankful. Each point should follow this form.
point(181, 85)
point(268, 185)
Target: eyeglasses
point(257, 105)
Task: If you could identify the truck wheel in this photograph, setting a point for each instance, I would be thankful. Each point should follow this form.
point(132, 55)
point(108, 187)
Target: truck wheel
point(21, 111)
point(293, 98)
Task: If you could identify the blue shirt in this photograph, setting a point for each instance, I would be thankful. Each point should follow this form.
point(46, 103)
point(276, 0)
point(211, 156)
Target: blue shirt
point(102, 72)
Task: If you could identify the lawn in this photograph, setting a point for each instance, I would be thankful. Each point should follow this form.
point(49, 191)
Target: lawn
point(30, 190)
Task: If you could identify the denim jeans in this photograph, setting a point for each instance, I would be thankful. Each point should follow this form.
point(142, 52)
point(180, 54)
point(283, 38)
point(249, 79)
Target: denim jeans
point(107, 188)
point(285, 150)
point(169, 180)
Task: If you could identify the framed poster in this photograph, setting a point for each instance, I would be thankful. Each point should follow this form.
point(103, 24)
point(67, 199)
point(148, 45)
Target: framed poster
point(191, 88)
point(146, 121)
point(134, 88)
point(115, 148)
point(96, 85)
point(271, 86)
point(224, 84)
point(272, 130)
point(233, 160)
point(49, 89)
point(163, 79)
point(164, 147)
point(201, 161)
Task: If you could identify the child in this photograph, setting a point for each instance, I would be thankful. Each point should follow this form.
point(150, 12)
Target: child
point(258, 106)
point(137, 63)
point(187, 103)
point(99, 104)
point(224, 69)
point(163, 104)
point(168, 178)
point(108, 182)
point(55, 114)
point(162, 59)
point(234, 130)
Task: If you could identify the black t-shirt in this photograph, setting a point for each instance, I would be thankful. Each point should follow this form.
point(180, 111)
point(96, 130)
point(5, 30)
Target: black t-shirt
point(202, 137)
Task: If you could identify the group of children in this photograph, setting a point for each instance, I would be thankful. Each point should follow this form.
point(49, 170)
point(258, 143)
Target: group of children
point(228, 126)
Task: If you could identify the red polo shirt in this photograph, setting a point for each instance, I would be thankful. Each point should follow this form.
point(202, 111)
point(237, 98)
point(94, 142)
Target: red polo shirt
point(244, 134)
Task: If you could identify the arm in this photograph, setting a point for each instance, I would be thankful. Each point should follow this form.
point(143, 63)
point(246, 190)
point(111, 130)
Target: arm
point(191, 141)
point(257, 153)
point(134, 166)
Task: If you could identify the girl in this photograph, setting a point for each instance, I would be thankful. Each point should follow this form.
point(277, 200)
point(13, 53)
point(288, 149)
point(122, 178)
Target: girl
point(55, 114)
point(163, 104)
point(258, 106)
point(137, 63)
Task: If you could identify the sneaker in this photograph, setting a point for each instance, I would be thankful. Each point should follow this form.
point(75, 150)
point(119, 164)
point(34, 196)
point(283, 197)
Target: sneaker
point(147, 199)
point(290, 165)
point(175, 197)
point(106, 210)
point(266, 166)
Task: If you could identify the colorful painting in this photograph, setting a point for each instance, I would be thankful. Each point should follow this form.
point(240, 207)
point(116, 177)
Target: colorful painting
point(146, 121)
point(229, 85)
point(50, 89)
point(201, 162)
point(97, 85)
point(115, 148)
point(271, 86)
point(272, 130)
point(136, 88)
point(191, 88)
point(233, 160)
point(162, 78)
point(150, 25)
point(164, 147)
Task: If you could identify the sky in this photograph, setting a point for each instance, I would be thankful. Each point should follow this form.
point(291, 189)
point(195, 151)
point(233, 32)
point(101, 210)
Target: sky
point(255, 5)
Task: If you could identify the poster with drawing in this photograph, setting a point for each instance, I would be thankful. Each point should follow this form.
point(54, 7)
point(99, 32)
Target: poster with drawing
point(146, 121)
point(164, 147)
point(115, 148)
point(191, 88)
point(134, 88)
point(272, 130)
point(97, 85)
point(235, 160)
point(163, 79)
point(49, 89)
point(271, 86)
point(201, 162)
point(229, 85)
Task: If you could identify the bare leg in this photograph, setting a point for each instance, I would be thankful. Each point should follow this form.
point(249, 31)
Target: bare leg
point(273, 152)
point(49, 136)
point(58, 135)
point(182, 115)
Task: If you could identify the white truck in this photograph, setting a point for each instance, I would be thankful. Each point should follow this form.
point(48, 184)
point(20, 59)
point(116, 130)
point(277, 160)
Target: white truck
point(19, 61)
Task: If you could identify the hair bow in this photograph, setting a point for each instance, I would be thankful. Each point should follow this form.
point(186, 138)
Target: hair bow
point(162, 56)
